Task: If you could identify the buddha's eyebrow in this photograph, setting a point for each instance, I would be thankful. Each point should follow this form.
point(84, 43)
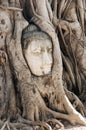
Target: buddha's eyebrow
point(49, 47)
point(35, 48)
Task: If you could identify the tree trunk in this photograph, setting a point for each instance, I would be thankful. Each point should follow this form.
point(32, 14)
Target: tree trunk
point(30, 100)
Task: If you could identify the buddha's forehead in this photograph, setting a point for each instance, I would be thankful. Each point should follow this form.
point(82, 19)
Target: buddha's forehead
point(36, 43)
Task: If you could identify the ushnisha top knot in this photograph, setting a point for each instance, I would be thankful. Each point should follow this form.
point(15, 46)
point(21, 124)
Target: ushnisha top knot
point(32, 32)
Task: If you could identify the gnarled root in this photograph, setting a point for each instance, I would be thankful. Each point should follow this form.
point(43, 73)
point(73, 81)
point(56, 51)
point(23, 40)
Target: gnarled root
point(74, 117)
point(77, 119)
point(77, 104)
point(54, 123)
point(58, 124)
point(34, 123)
point(24, 124)
point(5, 125)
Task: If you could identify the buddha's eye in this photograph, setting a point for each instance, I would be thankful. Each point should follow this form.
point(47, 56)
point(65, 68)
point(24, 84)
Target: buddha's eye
point(36, 51)
point(49, 50)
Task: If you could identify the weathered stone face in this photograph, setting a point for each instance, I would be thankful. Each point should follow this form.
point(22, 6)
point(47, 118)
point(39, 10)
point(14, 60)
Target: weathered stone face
point(39, 56)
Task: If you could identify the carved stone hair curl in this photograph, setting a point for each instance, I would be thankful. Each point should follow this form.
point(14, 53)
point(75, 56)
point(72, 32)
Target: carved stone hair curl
point(32, 32)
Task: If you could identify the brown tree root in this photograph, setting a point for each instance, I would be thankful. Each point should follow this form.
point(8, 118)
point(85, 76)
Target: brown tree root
point(5, 125)
point(48, 124)
point(21, 123)
point(34, 123)
point(10, 8)
point(58, 124)
point(77, 104)
point(24, 124)
point(73, 118)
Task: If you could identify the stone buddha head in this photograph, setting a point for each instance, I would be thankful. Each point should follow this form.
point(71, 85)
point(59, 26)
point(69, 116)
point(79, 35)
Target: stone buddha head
point(37, 48)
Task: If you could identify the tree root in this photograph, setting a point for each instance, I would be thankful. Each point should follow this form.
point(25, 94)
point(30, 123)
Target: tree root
point(58, 124)
point(73, 117)
point(77, 104)
point(51, 124)
point(5, 125)
point(24, 124)
point(11, 8)
point(34, 123)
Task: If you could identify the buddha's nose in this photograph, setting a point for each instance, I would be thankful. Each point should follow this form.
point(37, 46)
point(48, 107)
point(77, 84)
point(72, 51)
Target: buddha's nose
point(47, 61)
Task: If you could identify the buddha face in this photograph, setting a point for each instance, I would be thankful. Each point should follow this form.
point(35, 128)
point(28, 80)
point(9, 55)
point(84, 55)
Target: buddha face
point(39, 56)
